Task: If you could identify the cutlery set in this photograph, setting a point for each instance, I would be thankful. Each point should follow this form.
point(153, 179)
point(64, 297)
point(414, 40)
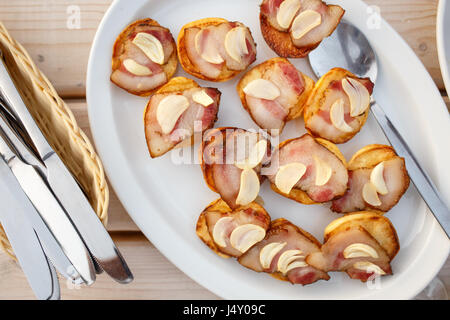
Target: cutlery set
point(47, 217)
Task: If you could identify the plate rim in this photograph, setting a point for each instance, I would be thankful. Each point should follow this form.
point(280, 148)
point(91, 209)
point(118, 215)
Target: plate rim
point(168, 250)
point(444, 66)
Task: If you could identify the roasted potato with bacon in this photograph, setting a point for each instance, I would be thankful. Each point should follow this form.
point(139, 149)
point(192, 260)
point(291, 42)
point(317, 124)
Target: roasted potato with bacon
point(293, 28)
point(230, 233)
point(377, 180)
point(231, 161)
point(273, 93)
point(215, 49)
point(362, 244)
point(176, 111)
point(308, 170)
point(338, 106)
point(282, 253)
point(144, 57)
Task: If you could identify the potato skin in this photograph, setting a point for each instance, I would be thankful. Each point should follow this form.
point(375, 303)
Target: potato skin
point(169, 68)
point(281, 42)
point(378, 226)
point(297, 110)
point(183, 57)
point(297, 194)
point(317, 97)
point(177, 84)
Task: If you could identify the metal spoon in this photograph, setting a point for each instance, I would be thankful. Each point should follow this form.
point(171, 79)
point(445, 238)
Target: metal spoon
point(348, 48)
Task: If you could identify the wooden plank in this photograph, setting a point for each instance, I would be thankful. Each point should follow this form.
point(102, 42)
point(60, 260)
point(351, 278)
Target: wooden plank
point(62, 53)
point(155, 277)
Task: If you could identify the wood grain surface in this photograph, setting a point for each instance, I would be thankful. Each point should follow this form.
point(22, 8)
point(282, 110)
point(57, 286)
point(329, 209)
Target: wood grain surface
point(62, 54)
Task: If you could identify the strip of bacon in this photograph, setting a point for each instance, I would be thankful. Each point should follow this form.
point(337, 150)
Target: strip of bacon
point(283, 231)
point(302, 150)
point(394, 177)
point(195, 117)
point(331, 258)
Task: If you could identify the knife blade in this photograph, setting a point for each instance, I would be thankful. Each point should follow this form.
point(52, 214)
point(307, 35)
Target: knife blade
point(420, 178)
point(21, 142)
point(21, 235)
point(49, 216)
point(67, 189)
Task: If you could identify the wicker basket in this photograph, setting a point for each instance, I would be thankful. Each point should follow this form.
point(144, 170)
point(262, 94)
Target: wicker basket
point(59, 126)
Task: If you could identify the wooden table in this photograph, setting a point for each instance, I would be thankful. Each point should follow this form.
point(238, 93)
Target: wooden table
point(62, 54)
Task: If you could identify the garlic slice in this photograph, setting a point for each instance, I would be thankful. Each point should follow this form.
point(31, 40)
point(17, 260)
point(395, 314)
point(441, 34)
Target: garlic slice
point(245, 236)
point(370, 195)
point(323, 171)
point(211, 53)
point(337, 116)
point(236, 44)
point(368, 267)
point(201, 97)
point(263, 89)
point(269, 251)
point(377, 179)
point(220, 230)
point(249, 187)
point(358, 94)
point(255, 157)
point(287, 262)
point(287, 11)
point(305, 22)
point(136, 68)
point(169, 111)
point(288, 176)
point(151, 46)
point(357, 250)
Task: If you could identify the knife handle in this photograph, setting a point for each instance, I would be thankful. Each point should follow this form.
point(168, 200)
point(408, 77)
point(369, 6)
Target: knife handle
point(21, 112)
point(419, 177)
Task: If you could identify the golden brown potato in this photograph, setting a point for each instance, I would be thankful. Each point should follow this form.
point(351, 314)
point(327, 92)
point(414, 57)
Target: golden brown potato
point(252, 213)
point(295, 88)
point(300, 195)
point(123, 46)
point(220, 171)
point(280, 39)
point(326, 93)
point(362, 244)
point(190, 67)
point(378, 226)
point(360, 166)
point(158, 142)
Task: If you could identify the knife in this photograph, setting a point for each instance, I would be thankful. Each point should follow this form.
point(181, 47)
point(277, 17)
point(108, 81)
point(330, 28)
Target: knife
point(67, 189)
point(24, 241)
point(50, 220)
point(420, 178)
point(21, 141)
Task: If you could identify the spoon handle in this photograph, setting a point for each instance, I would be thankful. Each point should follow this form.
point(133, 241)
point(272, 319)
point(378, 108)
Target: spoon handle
point(419, 177)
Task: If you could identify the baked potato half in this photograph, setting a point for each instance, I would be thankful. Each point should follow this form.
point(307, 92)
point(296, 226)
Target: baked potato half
point(177, 111)
point(144, 57)
point(230, 233)
point(362, 244)
point(273, 93)
point(215, 49)
point(308, 170)
point(377, 180)
point(338, 106)
point(231, 160)
point(293, 28)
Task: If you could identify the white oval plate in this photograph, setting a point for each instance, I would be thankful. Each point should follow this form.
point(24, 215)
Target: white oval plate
point(165, 199)
point(443, 40)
